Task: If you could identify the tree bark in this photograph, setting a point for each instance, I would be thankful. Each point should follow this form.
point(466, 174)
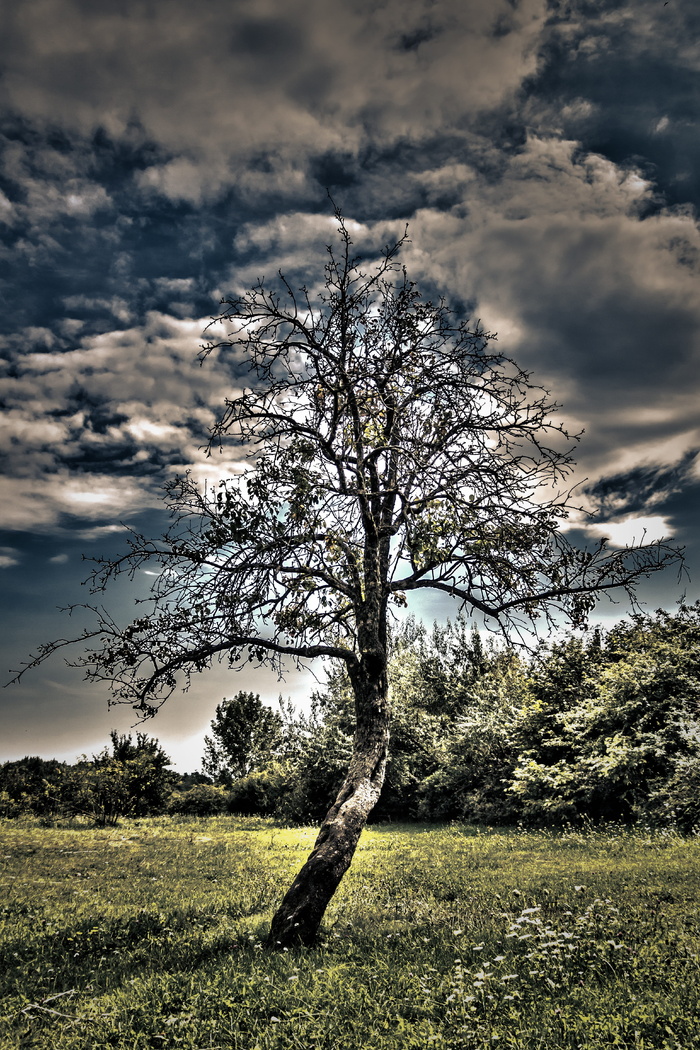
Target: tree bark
point(299, 916)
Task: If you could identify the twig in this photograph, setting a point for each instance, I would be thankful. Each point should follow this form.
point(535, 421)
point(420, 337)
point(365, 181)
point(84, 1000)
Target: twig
point(55, 1013)
point(47, 1010)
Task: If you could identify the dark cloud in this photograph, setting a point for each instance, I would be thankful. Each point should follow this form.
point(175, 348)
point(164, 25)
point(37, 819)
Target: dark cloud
point(412, 40)
point(623, 79)
point(644, 487)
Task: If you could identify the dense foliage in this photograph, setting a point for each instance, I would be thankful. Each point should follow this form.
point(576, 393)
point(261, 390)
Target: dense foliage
point(244, 734)
point(591, 727)
point(131, 779)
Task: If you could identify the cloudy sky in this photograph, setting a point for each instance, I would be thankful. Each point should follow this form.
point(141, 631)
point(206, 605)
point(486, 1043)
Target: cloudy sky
point(158, 154)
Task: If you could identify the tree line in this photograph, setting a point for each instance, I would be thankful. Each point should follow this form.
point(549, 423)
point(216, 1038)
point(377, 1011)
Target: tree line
point(593, 726)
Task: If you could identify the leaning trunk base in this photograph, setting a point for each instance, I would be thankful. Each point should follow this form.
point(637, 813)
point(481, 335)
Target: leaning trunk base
point(299, 916)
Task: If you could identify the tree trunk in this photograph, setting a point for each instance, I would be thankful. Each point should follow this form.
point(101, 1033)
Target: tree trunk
point(299, 916)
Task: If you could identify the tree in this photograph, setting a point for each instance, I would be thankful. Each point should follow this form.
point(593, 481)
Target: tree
point(245, 734)
point(479, 749)
point(149, 780)
point(33, 784)
point(132, 780)
point(393, 451)
point(610, 725)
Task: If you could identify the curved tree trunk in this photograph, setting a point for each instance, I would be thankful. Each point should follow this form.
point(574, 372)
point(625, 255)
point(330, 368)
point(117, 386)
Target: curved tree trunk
point(299, 916)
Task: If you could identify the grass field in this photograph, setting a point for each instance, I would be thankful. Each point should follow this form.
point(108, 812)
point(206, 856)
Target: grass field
point(149, 935)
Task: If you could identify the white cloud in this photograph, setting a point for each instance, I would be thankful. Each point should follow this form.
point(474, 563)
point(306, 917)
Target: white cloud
point(99, 532)
point(7, 210)
point(633, 530)
point(143, 393)
point(39, 502)
point(158, 434)
point(602, 306)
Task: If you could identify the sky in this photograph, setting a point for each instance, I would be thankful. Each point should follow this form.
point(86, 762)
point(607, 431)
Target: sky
point(156, 155)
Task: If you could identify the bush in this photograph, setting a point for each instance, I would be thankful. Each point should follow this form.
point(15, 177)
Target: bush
point(316, 776)
point(202, 800)
point(678, 801)
point(9, 807)
point(259, 793)
point(33, 785)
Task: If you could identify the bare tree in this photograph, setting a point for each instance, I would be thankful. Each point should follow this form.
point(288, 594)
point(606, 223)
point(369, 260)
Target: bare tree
point(392, 451)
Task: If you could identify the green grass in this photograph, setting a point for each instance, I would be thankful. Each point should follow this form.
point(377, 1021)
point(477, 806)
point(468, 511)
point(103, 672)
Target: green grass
point(149, 935)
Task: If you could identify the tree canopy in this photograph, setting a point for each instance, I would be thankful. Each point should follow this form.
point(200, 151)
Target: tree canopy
point(244, 733)
point(378, 424)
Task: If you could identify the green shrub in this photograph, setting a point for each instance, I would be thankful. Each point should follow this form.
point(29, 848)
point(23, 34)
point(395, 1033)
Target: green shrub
point(9, 807)
point(202, 800)
point(315, 777)
point(259, 793)
point(678, 801)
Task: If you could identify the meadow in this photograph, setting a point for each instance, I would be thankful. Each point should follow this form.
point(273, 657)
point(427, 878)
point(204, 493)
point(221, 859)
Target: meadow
point(149, 935)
